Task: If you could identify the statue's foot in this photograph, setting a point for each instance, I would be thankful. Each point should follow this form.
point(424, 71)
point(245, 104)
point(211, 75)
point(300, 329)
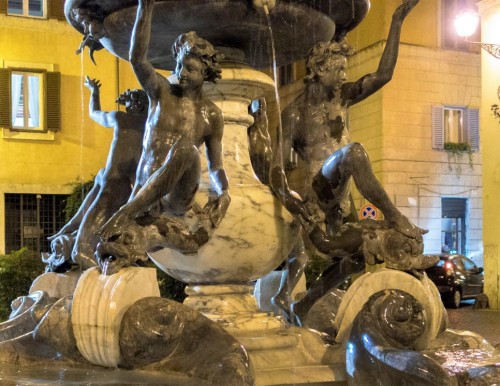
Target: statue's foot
point(201, 236)
point(174, 233)
point(407, 228)
point(60, 256)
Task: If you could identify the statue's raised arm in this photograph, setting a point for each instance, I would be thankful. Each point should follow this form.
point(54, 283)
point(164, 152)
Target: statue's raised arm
point(149, 79)
point(367, 85)
point(104, 118)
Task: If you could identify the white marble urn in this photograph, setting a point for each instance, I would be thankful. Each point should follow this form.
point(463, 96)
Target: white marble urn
point(257, 233)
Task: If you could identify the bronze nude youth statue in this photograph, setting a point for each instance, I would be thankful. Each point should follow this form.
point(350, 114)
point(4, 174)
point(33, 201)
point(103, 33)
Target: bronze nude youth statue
point(180, 120)
point(76, 241)
point(314, 126)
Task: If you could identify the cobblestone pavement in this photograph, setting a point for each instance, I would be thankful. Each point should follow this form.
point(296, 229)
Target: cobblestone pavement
point(483, 322)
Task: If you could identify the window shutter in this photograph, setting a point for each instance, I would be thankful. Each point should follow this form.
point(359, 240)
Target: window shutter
point(473, 128)
point(56, 10)
point(5, 98)
point(3, 6)
point(53, 101)
point(438, 127)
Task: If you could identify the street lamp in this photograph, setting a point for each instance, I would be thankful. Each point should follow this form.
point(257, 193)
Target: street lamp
point(466, 24)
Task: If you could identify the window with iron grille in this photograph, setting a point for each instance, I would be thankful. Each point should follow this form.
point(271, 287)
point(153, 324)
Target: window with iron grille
point(31, 218)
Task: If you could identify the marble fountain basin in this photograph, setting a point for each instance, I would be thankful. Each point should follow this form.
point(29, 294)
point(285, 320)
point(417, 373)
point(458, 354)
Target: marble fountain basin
point(255, 236)
point(234, 26)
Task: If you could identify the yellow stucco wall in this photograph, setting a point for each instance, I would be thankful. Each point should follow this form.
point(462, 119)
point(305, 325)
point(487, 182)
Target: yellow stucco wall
point(420, 28)
point(490, 132)
point(394, 124)
point(46, 163)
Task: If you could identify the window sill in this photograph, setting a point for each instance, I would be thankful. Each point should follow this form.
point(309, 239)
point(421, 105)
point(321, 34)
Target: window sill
point(27, 136)
point(27, 16)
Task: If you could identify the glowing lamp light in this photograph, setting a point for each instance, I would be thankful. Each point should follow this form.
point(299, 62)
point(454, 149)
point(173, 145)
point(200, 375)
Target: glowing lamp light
point(466, 23)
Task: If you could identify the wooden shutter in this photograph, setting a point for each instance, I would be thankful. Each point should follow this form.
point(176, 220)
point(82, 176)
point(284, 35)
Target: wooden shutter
point(56, 9)
point(53, 101)
point(3, 6)
point(473, 128)
point(5, 98)
point(438, 127)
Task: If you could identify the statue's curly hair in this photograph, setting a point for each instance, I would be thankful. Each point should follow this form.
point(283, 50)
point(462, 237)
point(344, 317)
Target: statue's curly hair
point(137, 96)
point(191, 43)
point(321, 53)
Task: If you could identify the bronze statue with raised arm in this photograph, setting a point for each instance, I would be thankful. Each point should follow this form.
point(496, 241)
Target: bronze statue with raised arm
point(112, 184)
point(180, 120)
point(314, 125)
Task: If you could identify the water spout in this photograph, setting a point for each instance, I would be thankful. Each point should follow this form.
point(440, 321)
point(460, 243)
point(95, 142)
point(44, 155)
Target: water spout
point(264, 5)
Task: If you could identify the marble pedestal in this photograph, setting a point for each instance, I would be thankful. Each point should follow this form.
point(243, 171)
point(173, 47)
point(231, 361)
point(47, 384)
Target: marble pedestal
point(256, 233)
point(280, 354)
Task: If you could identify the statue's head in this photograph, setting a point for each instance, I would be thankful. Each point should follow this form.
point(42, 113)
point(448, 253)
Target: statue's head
point(190, 47)
point(324, 57)
point(135, 101)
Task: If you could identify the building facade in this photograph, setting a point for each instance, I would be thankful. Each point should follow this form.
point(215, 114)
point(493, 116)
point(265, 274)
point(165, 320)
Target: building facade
point(489, 11)
point(421, 130)
point(47, 140)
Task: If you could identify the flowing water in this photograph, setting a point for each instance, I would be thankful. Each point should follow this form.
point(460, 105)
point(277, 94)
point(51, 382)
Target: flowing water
point(280, 137)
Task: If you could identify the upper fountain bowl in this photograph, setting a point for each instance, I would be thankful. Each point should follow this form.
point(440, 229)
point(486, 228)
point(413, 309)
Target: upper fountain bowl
point(234, 26)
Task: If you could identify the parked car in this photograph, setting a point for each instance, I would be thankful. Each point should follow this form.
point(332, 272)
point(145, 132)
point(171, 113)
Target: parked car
point(456, 278)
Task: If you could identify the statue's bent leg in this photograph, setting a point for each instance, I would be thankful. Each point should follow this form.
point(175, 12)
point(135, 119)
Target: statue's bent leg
point(178, 176)
point(74, 223)
point(113, 194)
point(358, 162)
point(331, 186)
point(181, 167)
point(180, 198)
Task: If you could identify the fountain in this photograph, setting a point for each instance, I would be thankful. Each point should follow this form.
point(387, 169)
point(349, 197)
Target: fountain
point(89, 326)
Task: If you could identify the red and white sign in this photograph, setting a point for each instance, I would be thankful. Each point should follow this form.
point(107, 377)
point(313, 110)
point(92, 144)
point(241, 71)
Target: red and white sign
point(369, 211)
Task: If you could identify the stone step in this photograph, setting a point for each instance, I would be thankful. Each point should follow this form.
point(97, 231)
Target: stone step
point(334, 375)
point(284, 358)
point(254, 342)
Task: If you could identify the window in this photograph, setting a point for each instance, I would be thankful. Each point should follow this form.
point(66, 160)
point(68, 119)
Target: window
point(28, 8)
point(29, 100)
point(456, 125)
point(31, 218)
point(26, 95)
point(449, 10)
